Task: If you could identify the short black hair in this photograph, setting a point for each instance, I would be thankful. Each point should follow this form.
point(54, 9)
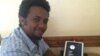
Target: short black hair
point(27, 4)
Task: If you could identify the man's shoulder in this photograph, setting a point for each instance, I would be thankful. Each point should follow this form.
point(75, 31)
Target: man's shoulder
point(11, 39)
point(12, 42)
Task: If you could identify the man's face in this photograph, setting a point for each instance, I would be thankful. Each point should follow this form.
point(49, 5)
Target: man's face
point(36, 21)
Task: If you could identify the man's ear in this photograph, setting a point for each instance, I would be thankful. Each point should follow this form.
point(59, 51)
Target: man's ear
point(21, 20)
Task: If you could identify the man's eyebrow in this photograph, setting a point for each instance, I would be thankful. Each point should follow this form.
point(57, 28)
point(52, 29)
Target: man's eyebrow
point(37, 16)
point(40, 17)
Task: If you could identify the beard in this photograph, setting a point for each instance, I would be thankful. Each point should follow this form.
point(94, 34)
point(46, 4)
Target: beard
point(37, 37)
point(34, 37)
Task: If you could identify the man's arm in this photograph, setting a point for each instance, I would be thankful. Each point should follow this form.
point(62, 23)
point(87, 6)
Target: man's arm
point(49, 53)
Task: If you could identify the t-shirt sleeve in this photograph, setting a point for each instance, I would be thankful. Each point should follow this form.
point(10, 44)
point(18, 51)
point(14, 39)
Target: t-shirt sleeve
point(44, 46)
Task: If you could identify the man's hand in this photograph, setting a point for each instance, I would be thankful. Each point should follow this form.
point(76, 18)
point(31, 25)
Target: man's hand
point(49, 53)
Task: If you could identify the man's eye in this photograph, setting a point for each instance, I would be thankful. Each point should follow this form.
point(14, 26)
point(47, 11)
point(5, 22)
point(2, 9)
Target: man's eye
point(36, 19)
point(45, 21)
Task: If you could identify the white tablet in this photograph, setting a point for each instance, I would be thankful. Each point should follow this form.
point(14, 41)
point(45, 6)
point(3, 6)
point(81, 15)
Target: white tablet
point(73, 48)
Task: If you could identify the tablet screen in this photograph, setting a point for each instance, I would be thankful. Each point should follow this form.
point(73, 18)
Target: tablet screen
point(73, 49)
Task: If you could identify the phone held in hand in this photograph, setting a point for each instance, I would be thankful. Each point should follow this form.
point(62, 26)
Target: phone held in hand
point(73, 48)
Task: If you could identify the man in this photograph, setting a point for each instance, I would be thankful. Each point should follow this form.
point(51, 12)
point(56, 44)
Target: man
point(27, 40)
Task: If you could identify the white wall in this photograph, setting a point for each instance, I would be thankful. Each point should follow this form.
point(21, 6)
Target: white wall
point(8, 16)
point(74, 17)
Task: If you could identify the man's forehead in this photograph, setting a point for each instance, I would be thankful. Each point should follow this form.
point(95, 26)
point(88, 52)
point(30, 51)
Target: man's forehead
point(37, 16)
